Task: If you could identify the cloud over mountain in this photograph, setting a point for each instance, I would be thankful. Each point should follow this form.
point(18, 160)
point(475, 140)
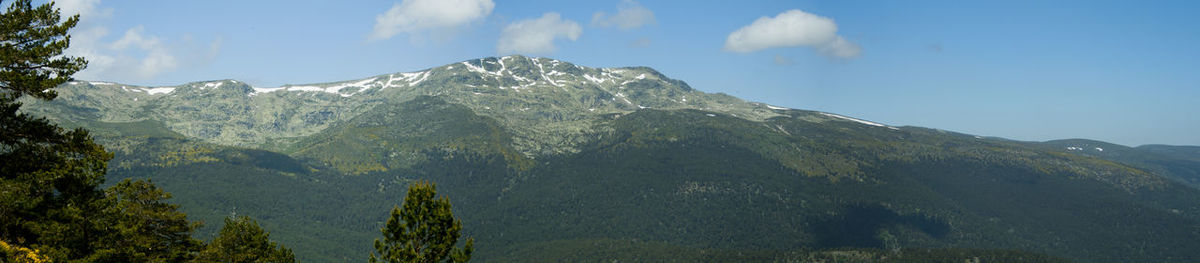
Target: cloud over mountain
point(536, 36)
point(136, 55)
point(630, 14)
point(413, 16)
point(792, 28)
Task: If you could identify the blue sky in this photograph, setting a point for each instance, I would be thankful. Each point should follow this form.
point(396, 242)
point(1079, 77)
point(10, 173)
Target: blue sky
point(1123, 72)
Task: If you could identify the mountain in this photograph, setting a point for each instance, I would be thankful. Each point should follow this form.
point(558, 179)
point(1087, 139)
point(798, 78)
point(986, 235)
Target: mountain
point(523, 93)
point(548, 160)
point(1179, 163)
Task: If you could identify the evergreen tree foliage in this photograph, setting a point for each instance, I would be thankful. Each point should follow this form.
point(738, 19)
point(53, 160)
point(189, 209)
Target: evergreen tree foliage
point(242, 240)
point(422, 230)
point(51, 204)
point(31, 42)
point(141, 227)
point(48, 175)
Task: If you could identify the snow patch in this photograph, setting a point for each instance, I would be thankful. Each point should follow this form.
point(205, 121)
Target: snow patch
point(159, 90)
point(212, 85)
point(542, 71)
point(473, 68)
point(773, 107)
point(264, 90)
point(502, 67)
point(424, 75)
point(303, 88)
point(594, 79)
point(334, 89)
point(1099, 149)
point(338, 88)
point(853, 119)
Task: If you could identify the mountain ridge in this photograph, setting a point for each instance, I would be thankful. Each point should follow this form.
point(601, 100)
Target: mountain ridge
point(535, 152)
point(501, 87)
point(545, 107)
point(415, 77)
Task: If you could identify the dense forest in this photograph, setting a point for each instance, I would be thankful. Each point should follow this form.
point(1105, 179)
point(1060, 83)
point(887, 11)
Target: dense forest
point(56, 210)
point(431, 173)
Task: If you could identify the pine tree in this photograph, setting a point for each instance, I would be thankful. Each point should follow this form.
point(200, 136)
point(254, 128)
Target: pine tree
point(139, 226)
point(31, 42)
point(422, 230)
point(242, 240)
point(48, 175)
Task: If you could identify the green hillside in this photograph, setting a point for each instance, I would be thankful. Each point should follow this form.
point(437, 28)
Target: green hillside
point(548, 161)
point(1180, 163)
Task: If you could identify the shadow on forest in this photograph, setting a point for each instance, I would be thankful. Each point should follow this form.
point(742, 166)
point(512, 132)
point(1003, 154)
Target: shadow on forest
point(858, 226)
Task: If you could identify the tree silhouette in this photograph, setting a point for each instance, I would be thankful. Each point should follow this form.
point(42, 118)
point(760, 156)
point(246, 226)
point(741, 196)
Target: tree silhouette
point(422, 230)
point(242, 240)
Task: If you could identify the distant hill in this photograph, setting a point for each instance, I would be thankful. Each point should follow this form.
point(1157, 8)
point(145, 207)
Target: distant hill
point(1180, 163)
point(545, 160)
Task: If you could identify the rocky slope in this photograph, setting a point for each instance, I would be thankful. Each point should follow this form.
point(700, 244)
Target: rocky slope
point(538, 153)
point(550, 104)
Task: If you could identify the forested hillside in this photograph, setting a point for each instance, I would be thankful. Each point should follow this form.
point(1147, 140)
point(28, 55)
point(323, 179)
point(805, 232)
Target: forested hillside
point(708, 184)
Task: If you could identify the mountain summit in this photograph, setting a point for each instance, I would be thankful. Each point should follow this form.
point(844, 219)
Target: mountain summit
point(548, 102)
point(550, 160)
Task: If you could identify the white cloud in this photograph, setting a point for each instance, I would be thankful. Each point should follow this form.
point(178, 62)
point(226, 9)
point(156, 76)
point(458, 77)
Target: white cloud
point(135, 37)
point(840, 47)
point(135, 56)
point(413, 16)
point(157, 58)
point(536, 36)
point(86, 9)
point(790, 29)
point(156, 61)
point(630, 15)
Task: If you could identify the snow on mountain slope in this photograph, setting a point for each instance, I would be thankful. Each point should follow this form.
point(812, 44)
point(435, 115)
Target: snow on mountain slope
point(551, 106)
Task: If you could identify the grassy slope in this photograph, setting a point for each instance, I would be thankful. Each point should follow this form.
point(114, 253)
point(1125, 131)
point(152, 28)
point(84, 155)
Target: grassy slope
point(689, 182)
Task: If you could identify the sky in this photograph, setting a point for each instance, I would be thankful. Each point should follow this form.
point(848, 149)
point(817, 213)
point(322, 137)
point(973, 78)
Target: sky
point(1126, 72)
